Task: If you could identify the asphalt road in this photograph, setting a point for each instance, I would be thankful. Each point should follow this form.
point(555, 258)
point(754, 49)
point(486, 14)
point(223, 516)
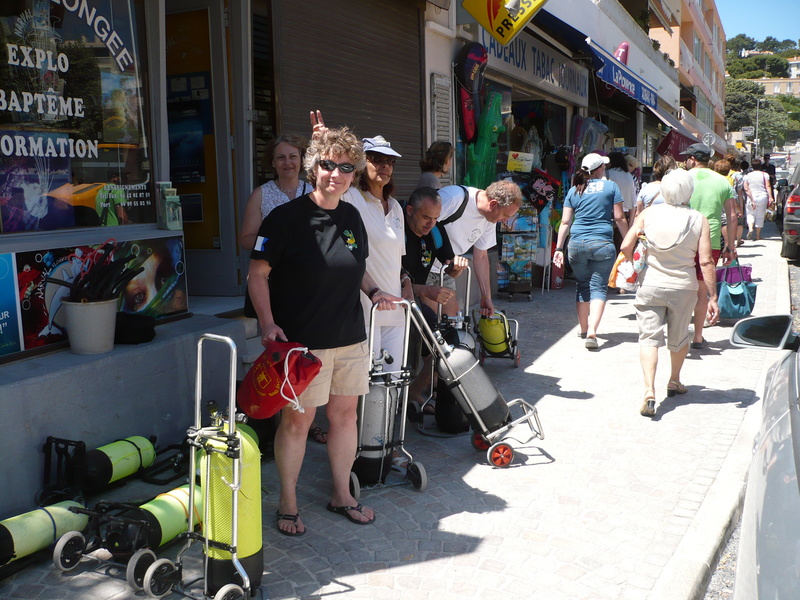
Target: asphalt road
point(721, 585)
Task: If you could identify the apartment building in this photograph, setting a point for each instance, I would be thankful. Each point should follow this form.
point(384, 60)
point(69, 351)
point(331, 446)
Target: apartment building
point(697, 45)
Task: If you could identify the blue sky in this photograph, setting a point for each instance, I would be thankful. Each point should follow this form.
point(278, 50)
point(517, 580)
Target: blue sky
point(778, 18)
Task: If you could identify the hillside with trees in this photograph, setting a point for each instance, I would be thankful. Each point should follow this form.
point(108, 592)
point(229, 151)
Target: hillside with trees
point(778, 116)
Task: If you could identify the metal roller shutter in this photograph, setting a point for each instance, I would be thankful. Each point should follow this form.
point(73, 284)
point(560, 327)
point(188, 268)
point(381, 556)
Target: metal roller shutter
point(368, 78)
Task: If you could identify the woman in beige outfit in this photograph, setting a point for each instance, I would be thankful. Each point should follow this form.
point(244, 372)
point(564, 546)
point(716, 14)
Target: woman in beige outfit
point(668, 285)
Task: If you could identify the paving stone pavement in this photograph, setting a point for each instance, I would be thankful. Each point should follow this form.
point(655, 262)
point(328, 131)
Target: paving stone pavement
point(608, 506)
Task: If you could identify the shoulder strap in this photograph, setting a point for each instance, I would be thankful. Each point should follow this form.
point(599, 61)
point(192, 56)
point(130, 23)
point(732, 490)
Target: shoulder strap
point(438, 242)
point(456, 215)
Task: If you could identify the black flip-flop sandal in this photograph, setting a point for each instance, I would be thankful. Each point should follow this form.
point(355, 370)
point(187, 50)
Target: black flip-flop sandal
point(342, 510)
point(288, 517)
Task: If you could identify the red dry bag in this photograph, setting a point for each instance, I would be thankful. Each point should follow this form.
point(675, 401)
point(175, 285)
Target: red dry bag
point(282, 372)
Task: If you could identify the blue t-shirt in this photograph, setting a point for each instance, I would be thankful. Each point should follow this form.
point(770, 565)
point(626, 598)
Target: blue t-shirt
point(594, 210)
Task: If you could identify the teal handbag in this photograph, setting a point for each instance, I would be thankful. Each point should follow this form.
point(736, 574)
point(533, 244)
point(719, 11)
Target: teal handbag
point(736, 300)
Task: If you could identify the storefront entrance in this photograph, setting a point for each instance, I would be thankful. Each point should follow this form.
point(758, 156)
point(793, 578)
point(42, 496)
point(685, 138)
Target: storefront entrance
point(198, 110)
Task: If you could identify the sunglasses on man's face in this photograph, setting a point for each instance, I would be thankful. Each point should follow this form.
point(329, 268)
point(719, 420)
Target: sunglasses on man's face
point(329, 165)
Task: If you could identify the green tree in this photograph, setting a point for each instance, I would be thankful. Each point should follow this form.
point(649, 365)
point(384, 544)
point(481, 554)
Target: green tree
point(738, 44)
point(741, 96)
point(745, 68)
point(771, 44)
point(742, 108)
point(791, 105)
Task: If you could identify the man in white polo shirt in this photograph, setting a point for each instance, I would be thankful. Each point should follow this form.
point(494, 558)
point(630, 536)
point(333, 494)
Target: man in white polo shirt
point(469, 215)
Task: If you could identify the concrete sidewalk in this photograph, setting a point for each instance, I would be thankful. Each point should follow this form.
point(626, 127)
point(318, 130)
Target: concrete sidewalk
point(610, 505)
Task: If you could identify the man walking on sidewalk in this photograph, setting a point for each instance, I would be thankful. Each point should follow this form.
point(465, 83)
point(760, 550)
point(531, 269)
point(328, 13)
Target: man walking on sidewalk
point(713, 193)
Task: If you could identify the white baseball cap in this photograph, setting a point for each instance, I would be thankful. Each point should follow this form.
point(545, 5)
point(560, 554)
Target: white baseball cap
point(592, 160)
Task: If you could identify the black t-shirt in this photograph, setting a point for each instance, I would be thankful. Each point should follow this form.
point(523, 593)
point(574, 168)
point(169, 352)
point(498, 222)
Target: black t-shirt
point(420, 252)
point(317, 259)
point(770, 169)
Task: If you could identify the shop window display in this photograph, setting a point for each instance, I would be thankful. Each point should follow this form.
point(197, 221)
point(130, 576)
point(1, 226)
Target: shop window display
point(73, 143)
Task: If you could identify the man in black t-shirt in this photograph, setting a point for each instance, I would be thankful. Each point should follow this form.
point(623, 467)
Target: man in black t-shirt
point(769, 168)
point(426, 241)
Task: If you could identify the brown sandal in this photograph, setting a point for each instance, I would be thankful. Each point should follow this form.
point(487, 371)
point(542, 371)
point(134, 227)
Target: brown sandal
point(316, 434)
point(675, 387)
point(649, 405)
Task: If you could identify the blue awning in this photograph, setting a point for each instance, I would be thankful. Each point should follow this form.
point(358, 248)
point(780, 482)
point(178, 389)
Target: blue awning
point(566, 34)
point(618, 75)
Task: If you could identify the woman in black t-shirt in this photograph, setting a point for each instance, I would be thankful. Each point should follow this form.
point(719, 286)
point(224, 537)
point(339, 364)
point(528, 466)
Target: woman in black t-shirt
point(307, 270)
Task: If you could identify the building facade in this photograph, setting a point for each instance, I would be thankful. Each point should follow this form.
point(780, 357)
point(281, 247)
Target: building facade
point(697, 46)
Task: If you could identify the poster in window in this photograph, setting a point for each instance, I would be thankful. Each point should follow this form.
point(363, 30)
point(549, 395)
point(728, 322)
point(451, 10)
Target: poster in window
point(29, 182)
point(186, 143)
point(159, 290)
point(10, 340)
point(71, 110)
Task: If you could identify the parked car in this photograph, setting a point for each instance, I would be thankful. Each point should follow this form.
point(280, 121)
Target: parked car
point(790, 218)
point(769, 539)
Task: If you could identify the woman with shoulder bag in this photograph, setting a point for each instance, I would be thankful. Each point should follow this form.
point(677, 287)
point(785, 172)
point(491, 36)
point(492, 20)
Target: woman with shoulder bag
point(668, 285)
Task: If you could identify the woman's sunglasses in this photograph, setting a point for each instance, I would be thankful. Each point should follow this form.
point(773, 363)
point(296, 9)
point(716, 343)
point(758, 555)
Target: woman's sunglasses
point(378, 160)
point(329, 165)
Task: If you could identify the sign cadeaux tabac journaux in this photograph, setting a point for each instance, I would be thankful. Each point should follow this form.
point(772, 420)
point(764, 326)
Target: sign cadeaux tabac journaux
point(503, 24)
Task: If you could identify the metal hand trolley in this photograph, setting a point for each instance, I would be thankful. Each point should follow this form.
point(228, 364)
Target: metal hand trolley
point(457, 332)
point(230, 481)
point(487, 411)
point(496, 339)
point(129, 532)
point(379, 434)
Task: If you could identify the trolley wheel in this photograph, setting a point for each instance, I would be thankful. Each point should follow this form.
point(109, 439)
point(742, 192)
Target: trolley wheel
point(530, 298)
point(511, 297)
point(500, 454)
point(479, 442)
point(355, 486)
point(517, 356)
point(69, 550)
point(160, 578)
point(230, 591)
point(137, 567)
point(417, 476)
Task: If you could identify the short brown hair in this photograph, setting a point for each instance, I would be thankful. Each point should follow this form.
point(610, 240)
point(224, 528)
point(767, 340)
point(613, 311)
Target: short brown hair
point(722, 166)
point(663, 166)
point(331, 143)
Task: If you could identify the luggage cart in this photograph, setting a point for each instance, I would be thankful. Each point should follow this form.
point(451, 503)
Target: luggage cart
point(496, 338)
point(129, 532)
point(456, 330)
point(487, 411)
point(230, 476)
point(379, 434)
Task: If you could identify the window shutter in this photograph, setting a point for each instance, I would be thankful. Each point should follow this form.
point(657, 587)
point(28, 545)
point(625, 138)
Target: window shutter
point(442, 114)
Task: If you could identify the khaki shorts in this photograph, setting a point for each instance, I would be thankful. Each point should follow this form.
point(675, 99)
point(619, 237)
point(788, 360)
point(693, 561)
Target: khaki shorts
point(660, 307)
point(345, 372)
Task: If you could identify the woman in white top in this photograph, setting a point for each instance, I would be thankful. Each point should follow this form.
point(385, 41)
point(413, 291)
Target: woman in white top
point(668, 285)
point(287, 158)
point(651, 192)
point(617, 171)
point(758, 194)
point(383, 220)
point(436, 164)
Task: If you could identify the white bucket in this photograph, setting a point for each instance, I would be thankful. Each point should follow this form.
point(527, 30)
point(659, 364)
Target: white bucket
point(91, 325)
